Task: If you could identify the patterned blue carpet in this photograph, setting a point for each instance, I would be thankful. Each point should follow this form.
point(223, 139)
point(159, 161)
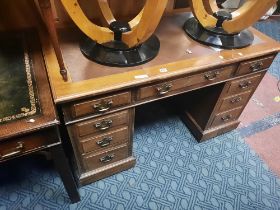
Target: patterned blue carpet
point(271, 27)
point(173, 171)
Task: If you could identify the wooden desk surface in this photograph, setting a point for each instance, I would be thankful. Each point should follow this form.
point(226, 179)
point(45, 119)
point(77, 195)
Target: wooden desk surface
point(90, 79)
point(45, 116)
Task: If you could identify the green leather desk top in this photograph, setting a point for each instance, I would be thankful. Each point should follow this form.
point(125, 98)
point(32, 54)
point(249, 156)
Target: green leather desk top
point(18, 91)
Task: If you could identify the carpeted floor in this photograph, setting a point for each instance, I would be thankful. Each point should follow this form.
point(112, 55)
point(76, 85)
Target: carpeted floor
point(173, 171)
point(271, 27)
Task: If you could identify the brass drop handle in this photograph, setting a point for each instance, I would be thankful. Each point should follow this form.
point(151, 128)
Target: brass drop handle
point(18, 150)
point(104, 125)
point(227, 117)
point(105, 141)
point(245, 84)
point(256, 66)
point(107, 158)
point(103, 106)
point(236, 100)
point(212, 75)
point(164, 89)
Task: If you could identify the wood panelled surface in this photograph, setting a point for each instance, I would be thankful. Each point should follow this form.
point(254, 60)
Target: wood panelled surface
point(16, 14)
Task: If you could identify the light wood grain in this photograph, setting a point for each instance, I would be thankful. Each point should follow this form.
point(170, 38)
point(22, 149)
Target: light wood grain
point(201, 12)
point(152, 13)
point(106, 11)
point(143, 25)
point(95, 32)
point(249, 13)
point(17, 14)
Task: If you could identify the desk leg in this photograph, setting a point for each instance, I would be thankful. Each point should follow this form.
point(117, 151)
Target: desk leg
point(63, 168)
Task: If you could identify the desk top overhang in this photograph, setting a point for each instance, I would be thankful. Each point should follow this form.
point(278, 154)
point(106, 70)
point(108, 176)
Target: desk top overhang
point(179, 55)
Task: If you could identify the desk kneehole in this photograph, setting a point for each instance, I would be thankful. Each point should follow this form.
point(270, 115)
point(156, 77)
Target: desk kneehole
point(182, 84)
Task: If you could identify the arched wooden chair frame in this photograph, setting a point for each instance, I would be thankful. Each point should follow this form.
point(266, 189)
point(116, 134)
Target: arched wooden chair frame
point(205, 12)
point(133, 34)
point(249, 13)
point(140, 29)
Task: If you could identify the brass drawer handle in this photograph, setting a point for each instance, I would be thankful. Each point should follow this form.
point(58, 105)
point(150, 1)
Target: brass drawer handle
point(212, 76)
point(18, 150)
point(164, 89)
point(245, 84)
point(107, 158)
point(104, 125)
point(256, 66)
point(236, 100)
point(105, 141)
point(103, 106)
point(227, 118)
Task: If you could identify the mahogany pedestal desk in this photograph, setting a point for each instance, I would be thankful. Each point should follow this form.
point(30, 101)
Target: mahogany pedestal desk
point(98, 102)
point(28, 120)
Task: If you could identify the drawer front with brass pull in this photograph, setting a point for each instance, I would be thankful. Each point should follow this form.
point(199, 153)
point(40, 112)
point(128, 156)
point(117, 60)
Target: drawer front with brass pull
point(29, 143)
point(243, 85)
point(164, 89)
point(105, 141)
point(102, 124)
point(226, 117)
point(169, 87)
point(12, 152)
point(254, 65)
point(211, 76)
point(102, 159)
point(101, 105)
point(234, 101)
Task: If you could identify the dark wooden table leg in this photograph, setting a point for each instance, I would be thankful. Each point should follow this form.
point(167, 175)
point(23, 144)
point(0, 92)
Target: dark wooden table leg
point(63, 168)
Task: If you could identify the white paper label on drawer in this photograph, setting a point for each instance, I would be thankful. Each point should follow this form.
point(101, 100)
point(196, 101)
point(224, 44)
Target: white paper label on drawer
point(143, 76)
point(163, 70)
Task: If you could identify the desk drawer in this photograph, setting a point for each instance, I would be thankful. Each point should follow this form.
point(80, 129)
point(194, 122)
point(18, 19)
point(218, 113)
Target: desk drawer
point(244, 84)
point(166, 88)
point(18, 146)
point(102, 124)
point(106, 141)
point(103, 159)
point(100, 105)
point(254, 65)
point(234, 101)
point(226, 117)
